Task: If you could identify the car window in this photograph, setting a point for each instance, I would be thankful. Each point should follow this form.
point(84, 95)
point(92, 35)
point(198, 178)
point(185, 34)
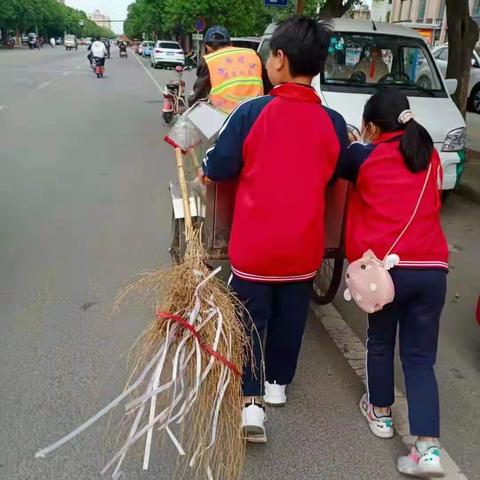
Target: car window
point(171, 45)
point(264, 50)
point(364, 61)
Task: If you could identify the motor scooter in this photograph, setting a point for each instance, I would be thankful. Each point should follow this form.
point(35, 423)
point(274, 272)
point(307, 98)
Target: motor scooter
point(99, 66)
point(174, 103)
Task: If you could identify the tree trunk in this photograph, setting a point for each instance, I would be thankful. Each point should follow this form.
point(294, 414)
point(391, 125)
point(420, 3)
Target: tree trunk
point(462, 37)
point(300, 7)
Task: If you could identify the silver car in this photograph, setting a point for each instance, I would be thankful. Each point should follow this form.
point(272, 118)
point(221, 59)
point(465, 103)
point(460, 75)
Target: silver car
point(70, 42)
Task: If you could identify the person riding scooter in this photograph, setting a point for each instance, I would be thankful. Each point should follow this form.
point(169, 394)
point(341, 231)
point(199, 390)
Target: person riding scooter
point(98, 51)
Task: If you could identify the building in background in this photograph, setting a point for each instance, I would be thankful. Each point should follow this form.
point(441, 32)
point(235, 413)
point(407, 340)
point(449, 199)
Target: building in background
point(100, 19)
point(428, 17)
point(381, 10)
point(360, 12)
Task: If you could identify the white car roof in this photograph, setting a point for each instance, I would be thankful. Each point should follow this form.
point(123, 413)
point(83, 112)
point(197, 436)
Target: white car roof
point(365, 26)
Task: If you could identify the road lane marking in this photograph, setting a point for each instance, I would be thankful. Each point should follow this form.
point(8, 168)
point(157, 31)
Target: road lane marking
point(160, 89)
point(42, 85)
point(3, 107)
point(78, 67)
point(66, 74)
point(354, 351)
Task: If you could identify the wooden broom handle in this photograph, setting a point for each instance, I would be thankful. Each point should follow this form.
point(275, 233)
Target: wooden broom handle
point(185, 197)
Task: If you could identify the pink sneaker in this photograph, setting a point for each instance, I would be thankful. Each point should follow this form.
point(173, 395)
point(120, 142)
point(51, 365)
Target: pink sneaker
point(423, 465)
point(380, 426)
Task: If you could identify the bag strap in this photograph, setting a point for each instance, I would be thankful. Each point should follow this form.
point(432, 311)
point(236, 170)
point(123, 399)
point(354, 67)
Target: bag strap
point(413, 214)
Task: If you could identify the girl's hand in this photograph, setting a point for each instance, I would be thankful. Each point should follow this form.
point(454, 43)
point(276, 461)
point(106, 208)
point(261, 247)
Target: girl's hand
point(354, 135)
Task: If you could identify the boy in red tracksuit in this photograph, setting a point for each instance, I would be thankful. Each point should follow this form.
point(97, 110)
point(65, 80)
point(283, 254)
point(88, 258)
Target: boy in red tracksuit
point(283, 148)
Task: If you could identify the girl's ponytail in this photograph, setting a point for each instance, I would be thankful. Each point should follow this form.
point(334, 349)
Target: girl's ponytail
point(389, 110)
point(416, 146)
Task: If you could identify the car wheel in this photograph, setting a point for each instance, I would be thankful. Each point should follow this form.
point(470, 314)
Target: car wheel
point(474, 100)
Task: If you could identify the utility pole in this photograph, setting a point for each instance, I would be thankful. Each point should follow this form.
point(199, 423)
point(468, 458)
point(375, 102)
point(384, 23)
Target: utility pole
point(300, 6)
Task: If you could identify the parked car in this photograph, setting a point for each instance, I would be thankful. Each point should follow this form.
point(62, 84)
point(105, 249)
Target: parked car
point(246, 42)
point(440, 54)
point(70, 42)
point(167, 54)
point(365, 56)
point(142, 46)
point(147, 48)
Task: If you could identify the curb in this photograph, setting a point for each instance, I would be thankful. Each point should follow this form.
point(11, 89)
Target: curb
point(468, 192)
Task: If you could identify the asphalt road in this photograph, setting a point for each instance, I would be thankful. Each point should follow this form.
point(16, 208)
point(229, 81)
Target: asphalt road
point(84, 205)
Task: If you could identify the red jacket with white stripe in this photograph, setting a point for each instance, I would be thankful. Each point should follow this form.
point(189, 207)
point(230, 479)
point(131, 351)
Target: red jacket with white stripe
point(283, 148)
point(383, 199)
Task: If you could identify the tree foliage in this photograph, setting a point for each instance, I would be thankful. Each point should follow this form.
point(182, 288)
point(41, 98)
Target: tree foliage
point(156, 18)
point(48, 18)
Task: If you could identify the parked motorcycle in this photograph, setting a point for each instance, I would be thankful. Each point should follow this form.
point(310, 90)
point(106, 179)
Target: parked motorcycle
point(9, 43)
point(174, 103)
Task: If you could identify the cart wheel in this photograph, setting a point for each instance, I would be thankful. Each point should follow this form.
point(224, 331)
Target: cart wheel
point(177, 244)
point(327, 280)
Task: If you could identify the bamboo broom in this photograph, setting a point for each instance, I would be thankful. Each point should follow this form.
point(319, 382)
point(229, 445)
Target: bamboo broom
point(197, 327)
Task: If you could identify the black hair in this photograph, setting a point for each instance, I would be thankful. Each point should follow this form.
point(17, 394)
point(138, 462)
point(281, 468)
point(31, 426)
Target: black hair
point(305, 42)
point(416, 145)
point(217, 45)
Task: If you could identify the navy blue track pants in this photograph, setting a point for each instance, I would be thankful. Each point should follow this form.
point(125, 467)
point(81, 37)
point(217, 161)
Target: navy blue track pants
point(279, 313)
point(416, 310)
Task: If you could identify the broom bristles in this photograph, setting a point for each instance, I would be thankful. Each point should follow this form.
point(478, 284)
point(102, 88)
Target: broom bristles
point(210, 432)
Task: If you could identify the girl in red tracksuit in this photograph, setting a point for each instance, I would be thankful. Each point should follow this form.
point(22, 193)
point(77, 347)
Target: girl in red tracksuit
point(388, 175)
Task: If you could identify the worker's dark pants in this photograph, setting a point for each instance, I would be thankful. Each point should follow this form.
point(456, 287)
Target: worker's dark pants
point(277, 313)
point(418, 304)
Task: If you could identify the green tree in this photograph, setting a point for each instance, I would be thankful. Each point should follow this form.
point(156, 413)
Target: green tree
point(47, 17)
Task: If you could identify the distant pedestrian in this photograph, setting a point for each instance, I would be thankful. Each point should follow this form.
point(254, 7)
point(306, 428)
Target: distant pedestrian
point(53, 42)
point(396, 177)
point(286, 139)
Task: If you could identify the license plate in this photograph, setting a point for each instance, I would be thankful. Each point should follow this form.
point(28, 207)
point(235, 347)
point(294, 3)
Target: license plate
point(170, 53)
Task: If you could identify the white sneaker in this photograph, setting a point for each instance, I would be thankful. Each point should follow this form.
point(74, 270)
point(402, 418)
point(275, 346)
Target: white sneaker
point(380, 426)
point(426, 464)
point(275, 394)
point(253, 419)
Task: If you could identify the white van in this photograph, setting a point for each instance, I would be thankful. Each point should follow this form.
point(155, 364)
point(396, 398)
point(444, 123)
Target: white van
point(364, 56)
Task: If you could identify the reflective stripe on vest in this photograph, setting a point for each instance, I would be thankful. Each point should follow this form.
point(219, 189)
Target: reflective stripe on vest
point(235, 76)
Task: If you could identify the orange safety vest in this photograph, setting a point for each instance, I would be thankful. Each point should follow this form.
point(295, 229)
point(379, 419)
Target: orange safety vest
point(235, 76)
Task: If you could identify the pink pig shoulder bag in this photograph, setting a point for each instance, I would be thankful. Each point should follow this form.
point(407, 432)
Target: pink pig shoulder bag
point(368, 280)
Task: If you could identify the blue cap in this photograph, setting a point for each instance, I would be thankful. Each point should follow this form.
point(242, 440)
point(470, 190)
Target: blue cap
point(217, 34)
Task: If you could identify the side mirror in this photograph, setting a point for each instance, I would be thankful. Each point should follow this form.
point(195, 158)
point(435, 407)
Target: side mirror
point(451, 84)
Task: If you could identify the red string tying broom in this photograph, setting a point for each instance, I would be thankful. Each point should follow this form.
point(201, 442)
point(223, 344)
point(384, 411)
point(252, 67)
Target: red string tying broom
point(191, 359)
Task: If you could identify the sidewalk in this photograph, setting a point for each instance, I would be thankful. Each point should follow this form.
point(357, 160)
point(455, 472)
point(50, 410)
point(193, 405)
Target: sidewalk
point(470, 184)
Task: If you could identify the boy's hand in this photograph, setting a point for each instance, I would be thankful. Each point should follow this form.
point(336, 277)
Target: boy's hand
point(202, 178)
